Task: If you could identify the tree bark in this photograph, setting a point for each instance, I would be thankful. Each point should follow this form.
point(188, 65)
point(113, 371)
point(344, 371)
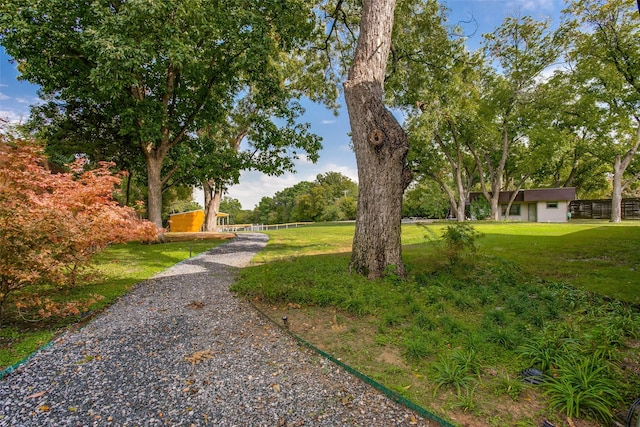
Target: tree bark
point(457, 167)
point(620, 166)
point(212, 199)
point(381, 147)
point(154, 184)
point(616, 195)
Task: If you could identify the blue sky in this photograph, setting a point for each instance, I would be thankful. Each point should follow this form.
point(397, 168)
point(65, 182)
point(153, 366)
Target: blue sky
point(16, 97)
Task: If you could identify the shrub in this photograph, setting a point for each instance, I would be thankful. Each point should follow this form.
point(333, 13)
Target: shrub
point(52, 223)
point(419, 347)
point(545, 349)
point(458, 239)
point(512, 387)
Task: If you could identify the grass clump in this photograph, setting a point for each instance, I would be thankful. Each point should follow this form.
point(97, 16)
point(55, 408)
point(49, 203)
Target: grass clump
point(452, 372)
point(584, 386)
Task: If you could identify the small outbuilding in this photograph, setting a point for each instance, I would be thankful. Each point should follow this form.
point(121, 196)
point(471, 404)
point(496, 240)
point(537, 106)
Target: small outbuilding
point(186, 221)
point(536, 205)
point(192, 221)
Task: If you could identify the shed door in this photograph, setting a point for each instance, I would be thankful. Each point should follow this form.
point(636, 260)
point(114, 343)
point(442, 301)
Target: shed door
point(533, 212)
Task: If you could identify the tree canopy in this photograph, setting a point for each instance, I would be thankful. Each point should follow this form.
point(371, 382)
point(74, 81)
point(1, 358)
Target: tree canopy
point(157, 73)
point(331, 197)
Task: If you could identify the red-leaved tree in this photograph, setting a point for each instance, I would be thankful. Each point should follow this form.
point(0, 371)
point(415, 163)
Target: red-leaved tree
point(52, 223)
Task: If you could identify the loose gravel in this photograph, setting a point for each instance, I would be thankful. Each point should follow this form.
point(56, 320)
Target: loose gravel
point(181, 350)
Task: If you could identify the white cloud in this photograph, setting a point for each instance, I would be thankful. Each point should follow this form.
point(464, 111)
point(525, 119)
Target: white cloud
point(532, 5)
point(255, 185)
point(12, 116)
point(347, 171)
point(22, 100)
point(4, 97)
point(303, 158)
point(328, 122)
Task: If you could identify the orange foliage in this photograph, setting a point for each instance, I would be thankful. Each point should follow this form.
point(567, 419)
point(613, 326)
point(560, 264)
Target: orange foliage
point(45, 307)
point(51, 224)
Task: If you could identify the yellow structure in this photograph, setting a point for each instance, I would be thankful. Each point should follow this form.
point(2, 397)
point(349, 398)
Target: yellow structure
point(186, 221)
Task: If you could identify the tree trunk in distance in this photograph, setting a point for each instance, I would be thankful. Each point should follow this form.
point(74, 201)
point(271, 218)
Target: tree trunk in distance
point(381, 147)
point(620, 166)
point(616, 194)
point(462, 199)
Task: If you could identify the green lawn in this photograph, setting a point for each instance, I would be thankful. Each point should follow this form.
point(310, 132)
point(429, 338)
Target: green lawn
point(597, 256)
point(453, 338)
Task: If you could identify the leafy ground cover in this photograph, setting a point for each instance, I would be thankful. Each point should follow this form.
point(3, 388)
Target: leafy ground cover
point(40, 316)
point(455, 338)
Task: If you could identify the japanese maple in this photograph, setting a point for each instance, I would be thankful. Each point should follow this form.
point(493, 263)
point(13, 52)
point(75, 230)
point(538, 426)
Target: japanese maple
point(52, 223)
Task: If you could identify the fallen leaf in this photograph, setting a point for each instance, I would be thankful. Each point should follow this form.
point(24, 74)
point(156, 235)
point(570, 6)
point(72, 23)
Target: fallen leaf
point(199, 356)
point(276, 388)
point(44, 408)
point(39, 394)
point(198, 305)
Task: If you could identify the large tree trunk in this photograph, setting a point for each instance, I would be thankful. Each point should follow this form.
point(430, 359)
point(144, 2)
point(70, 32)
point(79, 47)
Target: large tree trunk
point(212, 199)
point(154, 183)
point(457, 168)
point(496, 186)
point(450, 194)
point(462, 200)
point(381, 147)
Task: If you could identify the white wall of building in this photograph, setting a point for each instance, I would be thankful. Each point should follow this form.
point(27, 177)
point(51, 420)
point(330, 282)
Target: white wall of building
point(524, 214)
point(548, 213)
point(545, 212)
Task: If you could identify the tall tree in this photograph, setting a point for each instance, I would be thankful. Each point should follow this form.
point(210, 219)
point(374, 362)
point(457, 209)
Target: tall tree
point(445, 124)
point(524, 49)
point(381, 147)
point(170, 68)
point(561, 138)
point(258, 134)
point(432, 77)
point(607, 56)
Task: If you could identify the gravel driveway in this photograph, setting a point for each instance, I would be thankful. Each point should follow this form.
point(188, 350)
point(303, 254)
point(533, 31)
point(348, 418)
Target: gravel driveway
point(181, 350)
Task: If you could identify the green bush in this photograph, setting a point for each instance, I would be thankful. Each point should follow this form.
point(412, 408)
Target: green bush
point(458, 239)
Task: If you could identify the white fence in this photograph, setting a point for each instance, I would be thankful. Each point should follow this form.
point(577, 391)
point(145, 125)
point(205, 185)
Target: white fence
point(260, 227)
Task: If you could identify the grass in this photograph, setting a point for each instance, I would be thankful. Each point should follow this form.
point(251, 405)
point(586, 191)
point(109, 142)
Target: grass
point(117, 269)
point(533, 295)
point(596, 255)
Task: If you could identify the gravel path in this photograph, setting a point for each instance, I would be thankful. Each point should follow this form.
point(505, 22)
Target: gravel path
point(181, 350)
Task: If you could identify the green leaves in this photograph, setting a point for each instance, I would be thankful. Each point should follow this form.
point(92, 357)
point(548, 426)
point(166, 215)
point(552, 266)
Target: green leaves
point(156, 73)
point(583, 386)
